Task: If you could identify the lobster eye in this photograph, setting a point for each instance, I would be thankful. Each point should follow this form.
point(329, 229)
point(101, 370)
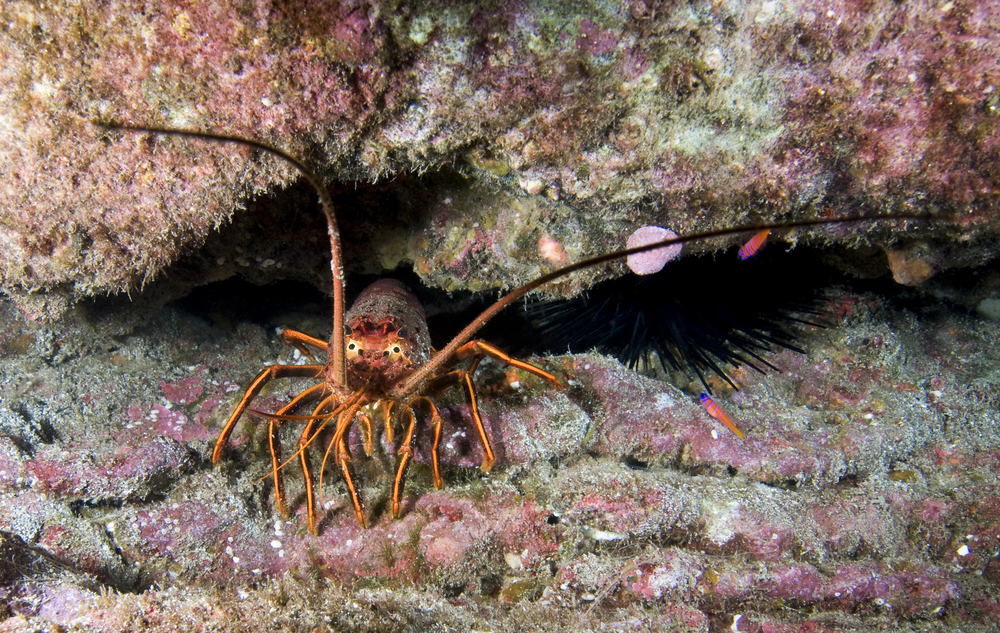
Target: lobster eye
point(347, 330)
point(353, 350)
point(394, 351)
point(401, 333)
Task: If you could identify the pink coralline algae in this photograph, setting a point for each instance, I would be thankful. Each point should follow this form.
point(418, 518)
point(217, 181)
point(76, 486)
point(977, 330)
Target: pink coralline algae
point(183, 391)
point(113, 472)
point(594, 40)
point(449, 536)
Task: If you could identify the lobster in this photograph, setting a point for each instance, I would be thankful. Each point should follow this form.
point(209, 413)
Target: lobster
point(379, 357)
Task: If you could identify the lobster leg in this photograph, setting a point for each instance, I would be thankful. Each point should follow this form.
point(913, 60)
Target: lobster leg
point(267, 375)
point(437, 423)
point(342, 455)
point(480, 349)
point(470, 391)
point(405, 454)
point(300, 341)
point(477, 350)
point(464, 377)
point(310, 394)
point(274, 444)
point(344, 461)
point(366, 432)
point(405, 451)
point(304, 441)
point(387, 417)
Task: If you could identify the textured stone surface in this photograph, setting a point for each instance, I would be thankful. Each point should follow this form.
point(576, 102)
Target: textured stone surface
point(865, 497)
point(544, 133)
point(866, 492)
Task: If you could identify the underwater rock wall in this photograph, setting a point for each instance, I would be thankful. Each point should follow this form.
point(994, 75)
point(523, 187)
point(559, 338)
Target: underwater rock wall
point(570, 126)
point(485, 145)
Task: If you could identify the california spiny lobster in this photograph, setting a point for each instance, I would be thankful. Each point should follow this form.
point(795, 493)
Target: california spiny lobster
point(379, 356)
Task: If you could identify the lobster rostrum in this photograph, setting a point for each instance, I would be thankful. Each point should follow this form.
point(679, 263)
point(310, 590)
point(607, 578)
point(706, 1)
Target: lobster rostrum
point(379, 360)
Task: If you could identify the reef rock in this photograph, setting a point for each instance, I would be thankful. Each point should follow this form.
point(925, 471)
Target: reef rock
point(500, 140)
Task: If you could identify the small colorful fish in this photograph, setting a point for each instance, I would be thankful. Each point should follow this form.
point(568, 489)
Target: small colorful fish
point(716, 412)
point(756, 242)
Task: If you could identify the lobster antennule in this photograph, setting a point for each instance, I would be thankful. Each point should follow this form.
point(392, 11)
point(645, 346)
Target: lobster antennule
point(337, 359)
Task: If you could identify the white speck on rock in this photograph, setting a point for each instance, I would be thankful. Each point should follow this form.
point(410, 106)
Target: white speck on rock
point(664, 401)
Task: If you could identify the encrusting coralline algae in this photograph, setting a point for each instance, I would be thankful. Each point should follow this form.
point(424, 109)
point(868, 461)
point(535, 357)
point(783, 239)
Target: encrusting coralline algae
point(865, 496)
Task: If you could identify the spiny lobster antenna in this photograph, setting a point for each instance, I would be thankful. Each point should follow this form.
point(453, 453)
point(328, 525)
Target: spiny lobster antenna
point(410, 384)
point(337, 358)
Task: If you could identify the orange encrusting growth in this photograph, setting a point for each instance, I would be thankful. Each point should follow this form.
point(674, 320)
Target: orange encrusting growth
point(716, 412)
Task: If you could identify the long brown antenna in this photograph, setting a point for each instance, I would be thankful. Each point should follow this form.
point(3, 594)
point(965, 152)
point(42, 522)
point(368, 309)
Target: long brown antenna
point(409, 385)
point(337, 358)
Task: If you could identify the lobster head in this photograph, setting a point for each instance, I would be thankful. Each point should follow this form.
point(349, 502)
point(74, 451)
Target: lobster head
point(386, 335)
point(378, 350)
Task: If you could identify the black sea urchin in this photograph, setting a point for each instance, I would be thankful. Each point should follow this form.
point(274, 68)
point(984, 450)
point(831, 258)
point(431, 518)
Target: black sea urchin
point(699, 315)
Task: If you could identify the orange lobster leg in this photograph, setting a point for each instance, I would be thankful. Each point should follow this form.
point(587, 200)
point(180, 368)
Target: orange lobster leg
point(347, 408)
point(479, 349)
point(405, 451)
point(344, 461)
point(304, 440)
point(405, 454)
point(342, 455)
point(464, 376)
point(267, 375)
point(310, 394)
point(366, 432)
point(436, 421)
point(470, 391)
point(300, 341)
point(387, 417)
